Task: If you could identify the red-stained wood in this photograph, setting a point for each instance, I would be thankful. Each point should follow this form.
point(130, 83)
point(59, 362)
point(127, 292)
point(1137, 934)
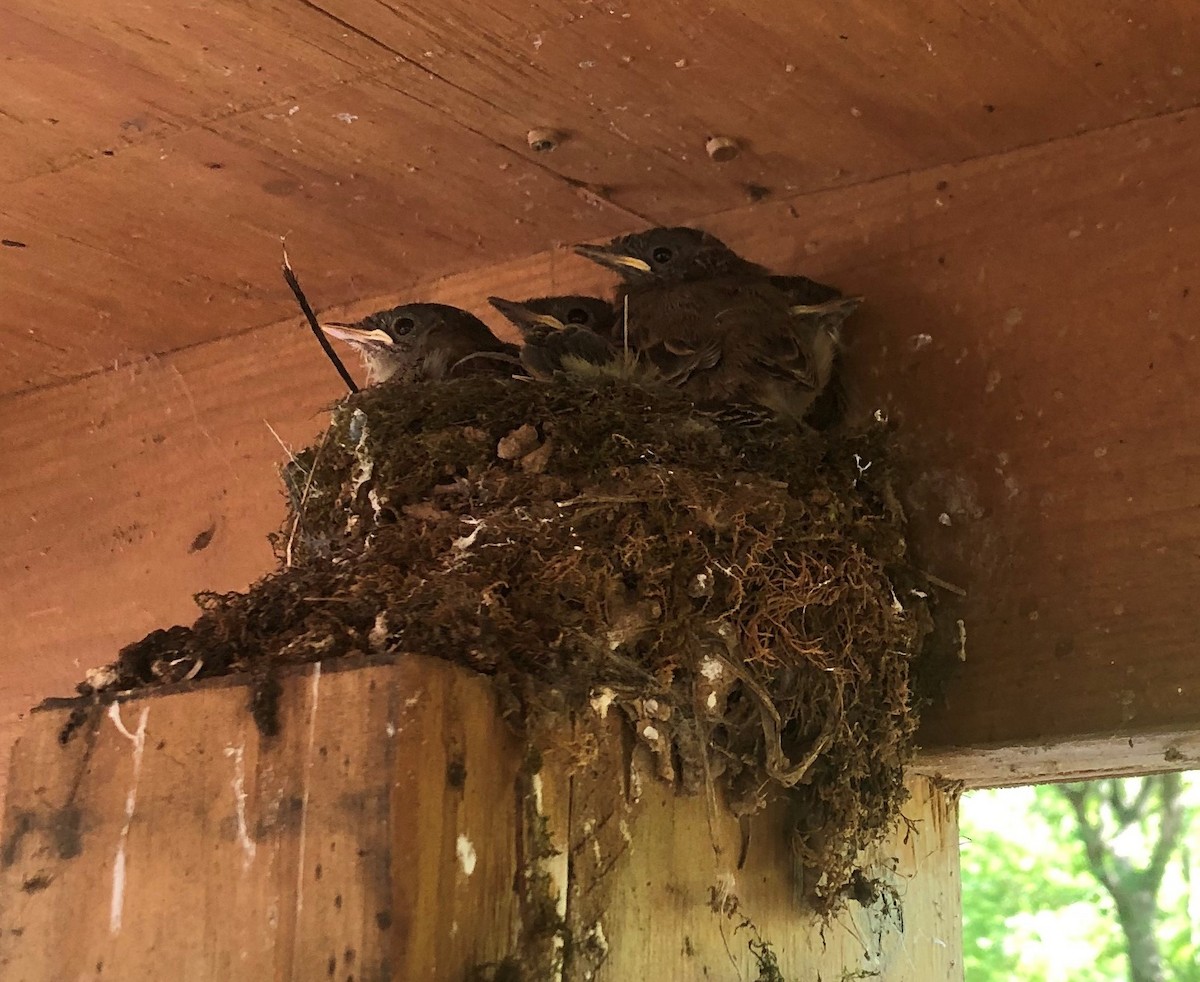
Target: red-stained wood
point(151, 157)
point(1030, 323)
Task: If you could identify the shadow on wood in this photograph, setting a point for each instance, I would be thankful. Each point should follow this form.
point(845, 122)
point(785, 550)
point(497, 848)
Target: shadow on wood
point(393, 831)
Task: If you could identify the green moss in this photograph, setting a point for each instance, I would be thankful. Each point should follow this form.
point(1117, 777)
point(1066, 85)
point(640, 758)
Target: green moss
point(748, 583)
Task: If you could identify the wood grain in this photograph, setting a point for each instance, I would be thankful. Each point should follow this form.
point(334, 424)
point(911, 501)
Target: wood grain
point(383, 836)
point(1030, 324)
point(150, 160)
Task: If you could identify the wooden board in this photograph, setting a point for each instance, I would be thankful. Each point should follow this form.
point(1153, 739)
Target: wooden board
point(1031, 323)
point(385, 835)
point(151, 159)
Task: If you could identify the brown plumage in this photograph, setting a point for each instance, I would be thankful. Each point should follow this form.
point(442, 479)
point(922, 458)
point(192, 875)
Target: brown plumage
point(561, 334)
point(420, 341)
point(722, 327)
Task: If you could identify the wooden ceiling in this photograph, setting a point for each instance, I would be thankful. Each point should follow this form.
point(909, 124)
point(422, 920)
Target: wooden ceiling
point(152, 154)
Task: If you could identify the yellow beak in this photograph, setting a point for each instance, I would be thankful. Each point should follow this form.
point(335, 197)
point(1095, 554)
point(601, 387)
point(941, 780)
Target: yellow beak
point(601, 255)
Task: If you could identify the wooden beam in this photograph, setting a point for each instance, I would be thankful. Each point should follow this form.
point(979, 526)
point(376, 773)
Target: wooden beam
point(1031, 322)
point(1065, 757)
point(392, 832)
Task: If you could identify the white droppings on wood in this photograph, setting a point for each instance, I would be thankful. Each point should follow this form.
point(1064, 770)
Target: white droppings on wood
point(466, 855)
point(536, 783)
point(138, 739)
point(711, 668)
point(238, 784)
point(314, 701)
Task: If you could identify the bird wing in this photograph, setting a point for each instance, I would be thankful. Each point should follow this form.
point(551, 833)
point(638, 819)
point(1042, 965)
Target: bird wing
point(679, 358)
point(830, 406)
point(786, 357)
point(547, 351)
point(802, 290)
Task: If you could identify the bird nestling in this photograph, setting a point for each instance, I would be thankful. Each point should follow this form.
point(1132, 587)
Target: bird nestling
point(419, 341)
point(561, 334)
point(721, 327)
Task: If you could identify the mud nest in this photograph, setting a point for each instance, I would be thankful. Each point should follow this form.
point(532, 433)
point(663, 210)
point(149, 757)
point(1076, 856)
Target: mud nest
point(739, 594)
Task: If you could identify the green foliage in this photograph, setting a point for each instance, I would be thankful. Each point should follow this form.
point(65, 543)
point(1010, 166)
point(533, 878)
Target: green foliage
point(1034, 910)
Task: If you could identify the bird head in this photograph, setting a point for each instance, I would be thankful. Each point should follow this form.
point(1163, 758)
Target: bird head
point(667, 254)
point(383, 331)
point(427, 337)
point(557, 313)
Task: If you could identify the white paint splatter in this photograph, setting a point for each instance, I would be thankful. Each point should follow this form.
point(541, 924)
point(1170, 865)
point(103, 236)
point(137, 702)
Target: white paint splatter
point(466, 855)
point(138, 739)
point(314, 700)
point(238, 784)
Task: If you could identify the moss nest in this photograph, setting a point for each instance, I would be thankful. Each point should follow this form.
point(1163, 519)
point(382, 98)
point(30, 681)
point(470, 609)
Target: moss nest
point(739, 594)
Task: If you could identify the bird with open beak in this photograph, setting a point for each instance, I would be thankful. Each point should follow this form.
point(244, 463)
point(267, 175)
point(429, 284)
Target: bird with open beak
point(721, 327)
point(420, 341)
point(561, 334)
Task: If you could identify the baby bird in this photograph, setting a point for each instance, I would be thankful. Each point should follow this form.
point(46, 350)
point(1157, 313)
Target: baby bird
point(561, 334)
point(722, 327)
point(420, 341)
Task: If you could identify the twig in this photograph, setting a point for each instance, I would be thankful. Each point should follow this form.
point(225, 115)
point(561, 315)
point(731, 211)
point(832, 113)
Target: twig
point(294, 283)
point(303, 500)
point(601, 499)
point(278, 439)
point(944, 584)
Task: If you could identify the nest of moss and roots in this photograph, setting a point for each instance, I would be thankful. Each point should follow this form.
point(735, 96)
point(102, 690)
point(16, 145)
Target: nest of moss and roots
point(740, 594)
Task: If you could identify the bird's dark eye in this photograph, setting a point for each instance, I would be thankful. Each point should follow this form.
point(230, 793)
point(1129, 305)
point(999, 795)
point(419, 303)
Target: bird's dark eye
point(577, 315)
point(662, 255)
point(404, 325)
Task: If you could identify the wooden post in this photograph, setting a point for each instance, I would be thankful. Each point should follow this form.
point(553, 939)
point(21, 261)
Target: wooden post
point(395, 830)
